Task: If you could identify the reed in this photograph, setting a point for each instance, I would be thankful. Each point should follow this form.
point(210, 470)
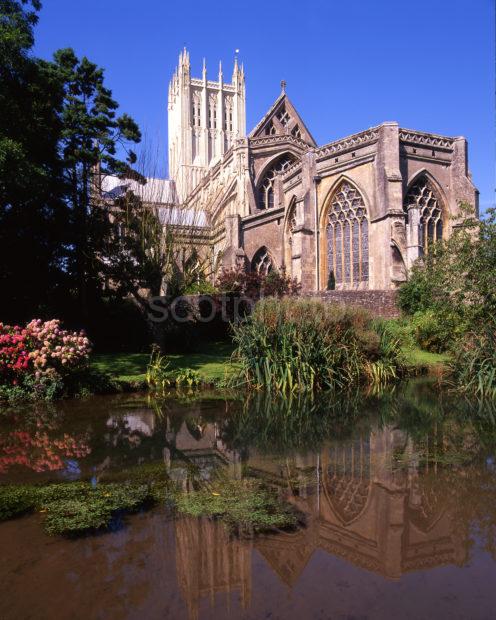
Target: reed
point(295, 344)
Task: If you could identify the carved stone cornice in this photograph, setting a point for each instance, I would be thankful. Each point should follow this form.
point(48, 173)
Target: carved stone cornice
point(270, 140)
point(369, 136)
point(422, 138)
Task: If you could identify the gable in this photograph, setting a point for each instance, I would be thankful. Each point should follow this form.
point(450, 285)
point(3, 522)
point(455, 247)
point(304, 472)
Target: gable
point(282, 119)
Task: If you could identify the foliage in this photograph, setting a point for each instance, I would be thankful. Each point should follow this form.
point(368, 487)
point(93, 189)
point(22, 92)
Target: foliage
point(91, 134)
point(245, 506)
point(457, 276)
point(158, 372)
point(452, 297)
point(474, 364)
point(58, 125)
point(288, 345)
point(76, 507)
point(14, 501)
point(35, 359)
point(32, 211)
point(255, 285)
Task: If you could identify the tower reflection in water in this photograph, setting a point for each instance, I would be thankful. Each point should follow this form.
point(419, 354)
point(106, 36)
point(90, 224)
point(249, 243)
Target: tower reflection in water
point(368, 501)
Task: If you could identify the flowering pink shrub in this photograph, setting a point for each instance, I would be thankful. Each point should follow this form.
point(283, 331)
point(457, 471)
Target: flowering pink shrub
point(41, 349)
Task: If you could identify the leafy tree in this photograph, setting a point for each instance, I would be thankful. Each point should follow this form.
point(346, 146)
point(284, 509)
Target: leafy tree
point(92, 134)
point(31, 206)
point(458, 276)
point(453, 293)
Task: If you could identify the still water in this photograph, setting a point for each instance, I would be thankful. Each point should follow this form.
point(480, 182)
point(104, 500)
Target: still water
point(397, 493)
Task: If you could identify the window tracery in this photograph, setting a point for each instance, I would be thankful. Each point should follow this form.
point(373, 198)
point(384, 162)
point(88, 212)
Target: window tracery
point(262, 262)
point(212, 112)
point(422, 196)
point(347, 238)
point(283, 116)
point(196, 109)
point(266, 187)
point(296, 132)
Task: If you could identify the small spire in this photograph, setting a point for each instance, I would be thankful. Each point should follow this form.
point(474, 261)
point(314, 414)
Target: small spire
point(283, 86)
point(204, 70)
point(220, 68)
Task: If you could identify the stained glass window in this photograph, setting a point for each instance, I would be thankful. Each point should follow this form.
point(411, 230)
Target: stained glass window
point(347, 238)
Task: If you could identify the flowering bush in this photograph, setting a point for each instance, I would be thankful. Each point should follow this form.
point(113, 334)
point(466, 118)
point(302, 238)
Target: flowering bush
point(40, 352)
point(255, 285)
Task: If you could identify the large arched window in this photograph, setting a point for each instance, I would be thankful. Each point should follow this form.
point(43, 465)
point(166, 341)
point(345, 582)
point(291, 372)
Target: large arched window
point(422, 197)
point(266, 185)
point(262, 262)
point(347, 239)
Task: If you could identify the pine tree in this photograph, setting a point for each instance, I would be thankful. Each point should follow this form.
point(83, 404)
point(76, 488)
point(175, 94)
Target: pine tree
point(93, 138)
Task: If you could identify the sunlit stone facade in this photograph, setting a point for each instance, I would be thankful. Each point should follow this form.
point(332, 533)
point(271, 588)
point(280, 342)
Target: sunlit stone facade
point(353, 214)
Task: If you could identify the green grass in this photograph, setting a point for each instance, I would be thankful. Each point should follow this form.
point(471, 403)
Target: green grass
point(424, 360)
point(212, 363)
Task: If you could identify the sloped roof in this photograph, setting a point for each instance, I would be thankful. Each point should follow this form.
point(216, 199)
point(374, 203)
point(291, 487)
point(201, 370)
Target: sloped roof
point(161, 191)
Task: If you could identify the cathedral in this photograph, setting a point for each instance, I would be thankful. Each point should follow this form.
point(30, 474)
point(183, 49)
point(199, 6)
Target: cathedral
point(353, 214)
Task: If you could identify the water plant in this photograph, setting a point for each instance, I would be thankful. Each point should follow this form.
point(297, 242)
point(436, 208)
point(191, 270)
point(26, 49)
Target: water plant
point(76, 507)
point(245, 506)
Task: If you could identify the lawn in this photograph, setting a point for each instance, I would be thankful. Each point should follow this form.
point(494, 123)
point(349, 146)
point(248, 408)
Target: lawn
point(418, 358)
point(213, 362)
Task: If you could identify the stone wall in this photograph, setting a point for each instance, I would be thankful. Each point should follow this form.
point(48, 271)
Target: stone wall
point(379, 303)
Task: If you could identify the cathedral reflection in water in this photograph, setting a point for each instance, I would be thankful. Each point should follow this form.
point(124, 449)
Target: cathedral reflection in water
point(366, 501)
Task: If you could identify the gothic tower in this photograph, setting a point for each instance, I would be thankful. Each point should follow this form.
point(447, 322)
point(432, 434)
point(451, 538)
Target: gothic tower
point(204, 119)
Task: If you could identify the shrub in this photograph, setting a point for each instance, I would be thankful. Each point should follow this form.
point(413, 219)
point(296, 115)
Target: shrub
point(35, 359)
point(474, 364)
point(432, 332)
point(288, 345)
point(255, 285)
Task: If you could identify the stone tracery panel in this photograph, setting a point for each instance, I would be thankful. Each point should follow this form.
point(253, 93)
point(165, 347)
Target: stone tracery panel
point(266, 185)
point(262, 261)
point(422, 197)
point(347, 238)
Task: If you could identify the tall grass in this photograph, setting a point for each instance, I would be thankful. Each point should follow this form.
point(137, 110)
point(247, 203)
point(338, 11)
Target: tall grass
point(294, 344)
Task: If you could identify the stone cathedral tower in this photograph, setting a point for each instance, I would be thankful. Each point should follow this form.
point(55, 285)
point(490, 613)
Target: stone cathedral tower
point(204, 119)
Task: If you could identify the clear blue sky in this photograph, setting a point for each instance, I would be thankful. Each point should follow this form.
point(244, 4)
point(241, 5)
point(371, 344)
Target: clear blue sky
point(349, 64)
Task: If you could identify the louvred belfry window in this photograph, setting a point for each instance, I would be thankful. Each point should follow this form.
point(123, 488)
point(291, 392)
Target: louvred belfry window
point(348, 238)
point(422, 196)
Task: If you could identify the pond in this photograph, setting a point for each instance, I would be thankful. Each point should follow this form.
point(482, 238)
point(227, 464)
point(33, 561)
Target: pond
point(396, 492)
